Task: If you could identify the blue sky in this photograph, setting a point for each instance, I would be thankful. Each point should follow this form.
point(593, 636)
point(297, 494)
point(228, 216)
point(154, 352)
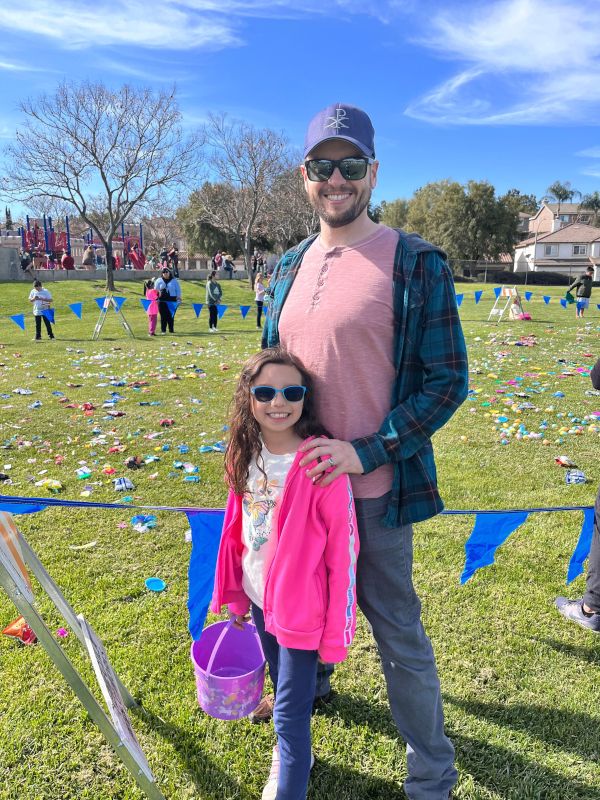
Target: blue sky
point(501, 90)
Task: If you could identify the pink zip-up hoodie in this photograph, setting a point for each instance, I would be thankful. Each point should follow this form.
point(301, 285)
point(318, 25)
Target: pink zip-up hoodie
point(310, 590)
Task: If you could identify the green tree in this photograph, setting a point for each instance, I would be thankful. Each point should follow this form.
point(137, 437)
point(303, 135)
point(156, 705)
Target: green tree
point(469, 222)
point(562, 193)
point(374, 211)
point(394, 213)
point(592, 203)
point(525, 203)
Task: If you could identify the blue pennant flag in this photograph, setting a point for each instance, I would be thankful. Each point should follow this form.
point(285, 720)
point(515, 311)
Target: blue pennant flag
point(528, 296)
point(459, 299)
point(245, 310)
point(489, 532)
point(49, 314)
point(103, 303)
point(118, 301)
point(598, 306)
point(546, 299)
point(145, 304)
point(221, 310)
point(582, 549)
point(76, 309)
point(197, 308)
point(563, 302)
point(20, 508)
point(172, 306)
point(477, 296)
point(206, 534)
point(497, 290)
point(19, 319)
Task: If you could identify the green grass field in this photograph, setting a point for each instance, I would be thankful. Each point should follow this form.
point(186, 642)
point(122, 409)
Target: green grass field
point(520, 684)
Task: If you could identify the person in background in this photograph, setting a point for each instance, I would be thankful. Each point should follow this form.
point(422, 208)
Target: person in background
point(67, 261)
point(169, 291)
point(164, 257)
point(89, 258)
point(217, 261)
point(583, 284)
point(228, 265)
point(42, 301)
point(213, 298)
point(174, 259)
point(585, 611)
point(152, 294)
point(259, 296)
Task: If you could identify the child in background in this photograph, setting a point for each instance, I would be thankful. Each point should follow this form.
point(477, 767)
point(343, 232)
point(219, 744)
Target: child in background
point(288, 551)
point(259, 296)
point(42, 301)
point(152, 294)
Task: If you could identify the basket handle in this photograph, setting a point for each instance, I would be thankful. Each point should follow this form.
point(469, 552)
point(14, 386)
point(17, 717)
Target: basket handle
point(215, 649)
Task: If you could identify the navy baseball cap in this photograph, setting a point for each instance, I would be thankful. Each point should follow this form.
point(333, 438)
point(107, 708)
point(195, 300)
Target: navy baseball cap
point(341, 121)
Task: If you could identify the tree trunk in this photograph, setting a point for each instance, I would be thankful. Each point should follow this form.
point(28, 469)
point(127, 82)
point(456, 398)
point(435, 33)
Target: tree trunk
point(248, 258)
point(110, 275)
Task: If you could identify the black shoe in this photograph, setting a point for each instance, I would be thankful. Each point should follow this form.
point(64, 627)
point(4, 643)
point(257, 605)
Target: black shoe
point(573, 610)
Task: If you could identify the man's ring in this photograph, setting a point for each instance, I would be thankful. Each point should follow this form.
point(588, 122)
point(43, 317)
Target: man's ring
point(331, 462)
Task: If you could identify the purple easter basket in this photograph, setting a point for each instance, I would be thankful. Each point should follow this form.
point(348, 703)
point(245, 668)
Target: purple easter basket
point(230, 670)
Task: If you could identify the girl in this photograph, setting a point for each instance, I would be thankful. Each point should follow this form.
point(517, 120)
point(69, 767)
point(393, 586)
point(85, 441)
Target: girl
point(288, 551)
point(152, 294)
point(259, 296)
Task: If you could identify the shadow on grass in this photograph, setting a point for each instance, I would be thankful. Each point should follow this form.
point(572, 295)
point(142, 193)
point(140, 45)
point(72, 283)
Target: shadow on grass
point(589, 654)
point(345, 783)
point(497, 768)
point(210, 781)
point(571, 731)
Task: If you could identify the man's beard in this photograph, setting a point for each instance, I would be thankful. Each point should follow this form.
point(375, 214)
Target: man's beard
point(342, 218)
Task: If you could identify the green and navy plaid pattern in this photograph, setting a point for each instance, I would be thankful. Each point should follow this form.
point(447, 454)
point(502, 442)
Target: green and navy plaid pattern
point(431, 371)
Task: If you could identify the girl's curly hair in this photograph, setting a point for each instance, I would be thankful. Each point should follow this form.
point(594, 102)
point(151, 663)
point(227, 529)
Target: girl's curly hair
point(244, 431)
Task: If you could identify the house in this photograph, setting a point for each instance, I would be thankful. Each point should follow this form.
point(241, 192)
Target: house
point(566, 251)
point(544, 221)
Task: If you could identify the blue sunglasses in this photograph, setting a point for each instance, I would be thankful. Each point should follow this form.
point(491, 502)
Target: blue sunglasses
point(264, 394)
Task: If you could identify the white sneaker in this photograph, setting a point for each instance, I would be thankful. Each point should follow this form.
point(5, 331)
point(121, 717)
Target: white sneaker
point(270, 790)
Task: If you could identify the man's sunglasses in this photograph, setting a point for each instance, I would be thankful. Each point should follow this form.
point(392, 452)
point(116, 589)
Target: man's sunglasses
point(351, 169)
point(264, 394)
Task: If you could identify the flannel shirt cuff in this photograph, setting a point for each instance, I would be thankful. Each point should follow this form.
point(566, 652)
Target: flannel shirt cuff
point(371, 452)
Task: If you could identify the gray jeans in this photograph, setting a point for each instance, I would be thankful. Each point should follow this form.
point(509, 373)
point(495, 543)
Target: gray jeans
point(387, 598)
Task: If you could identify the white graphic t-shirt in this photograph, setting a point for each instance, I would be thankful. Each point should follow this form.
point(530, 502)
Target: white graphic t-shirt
point(257, 513)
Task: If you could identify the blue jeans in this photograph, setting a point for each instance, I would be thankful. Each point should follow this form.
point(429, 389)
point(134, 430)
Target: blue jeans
point(293, 673)
point(387, 598)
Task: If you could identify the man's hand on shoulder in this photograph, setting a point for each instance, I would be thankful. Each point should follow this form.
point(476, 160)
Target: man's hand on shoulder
point(334, 455)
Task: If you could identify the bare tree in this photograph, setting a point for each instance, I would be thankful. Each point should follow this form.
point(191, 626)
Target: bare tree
point(106, 153)
point(288, 216)
point(246, 161)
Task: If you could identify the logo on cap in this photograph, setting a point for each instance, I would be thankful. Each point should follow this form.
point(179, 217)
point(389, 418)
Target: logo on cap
point(337, 122)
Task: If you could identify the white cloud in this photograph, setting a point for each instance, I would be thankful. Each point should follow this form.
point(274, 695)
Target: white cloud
point(523, 62)
point(8, 66)
point(170, 24)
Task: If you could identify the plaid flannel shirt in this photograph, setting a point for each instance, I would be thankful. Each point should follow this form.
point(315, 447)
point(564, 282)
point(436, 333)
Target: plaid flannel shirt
point(431, 371)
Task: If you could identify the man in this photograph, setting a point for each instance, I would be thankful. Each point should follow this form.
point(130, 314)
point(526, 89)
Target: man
point(371, 312)
point(168, 292)
point(585, 611)
point(583, 284)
